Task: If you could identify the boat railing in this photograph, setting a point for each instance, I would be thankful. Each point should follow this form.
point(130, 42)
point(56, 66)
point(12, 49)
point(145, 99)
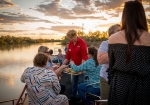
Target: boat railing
point(19, 100)
point(21, 95)
point(11, 100)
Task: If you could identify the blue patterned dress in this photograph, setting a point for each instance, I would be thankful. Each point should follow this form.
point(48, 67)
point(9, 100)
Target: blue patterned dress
point(42, 86)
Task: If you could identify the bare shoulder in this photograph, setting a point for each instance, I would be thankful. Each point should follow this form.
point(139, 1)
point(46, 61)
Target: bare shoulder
point(147, 34)
point(145, 38)
point(116, 38)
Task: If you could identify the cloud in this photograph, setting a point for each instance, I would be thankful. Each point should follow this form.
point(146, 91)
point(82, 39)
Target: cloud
point(111, 4)
point(7, 17)
point(45, 34)
point(1, 28)
point(56, 1)
point(91, 17)
point(80, 10)
point(64, 29)
point(6, 4)
point(53, 9)
point(20, 9)
point(28, 34)
point(85, 3)
point(43, 28)
point(77, 12)
point(13, 31)
point(105, 25)
point(114, 14)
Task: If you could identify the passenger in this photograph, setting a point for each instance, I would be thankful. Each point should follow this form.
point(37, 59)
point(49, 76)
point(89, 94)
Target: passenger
point(45, 49)
point(43, 86)
point(51, 66)
point(92, 69)
point(77, 52)
point(51, 55)
point(50, 52)
point(102, 58)
point(129, 59)
point(60, 57)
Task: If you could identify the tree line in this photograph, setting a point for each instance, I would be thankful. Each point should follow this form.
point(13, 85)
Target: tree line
point(22, 40)
point(91, 36)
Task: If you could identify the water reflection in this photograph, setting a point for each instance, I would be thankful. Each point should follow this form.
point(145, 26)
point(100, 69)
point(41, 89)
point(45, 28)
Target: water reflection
point(11, 47)
point(14, 59)
point(7, 78)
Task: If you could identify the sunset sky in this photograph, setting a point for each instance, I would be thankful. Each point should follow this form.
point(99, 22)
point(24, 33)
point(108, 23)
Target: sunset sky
point(53, 18)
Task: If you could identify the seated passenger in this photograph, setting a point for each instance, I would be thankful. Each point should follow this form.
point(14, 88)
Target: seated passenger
point(43, 86)
point(92, 68)
point(52, 66)
point(60, 57)
point(44, 49)
point(51, 54)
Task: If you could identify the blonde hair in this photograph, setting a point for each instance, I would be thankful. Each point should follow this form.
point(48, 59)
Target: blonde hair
point(43, 49)
point(40, 59)
point(112, 28)
point(71, 33)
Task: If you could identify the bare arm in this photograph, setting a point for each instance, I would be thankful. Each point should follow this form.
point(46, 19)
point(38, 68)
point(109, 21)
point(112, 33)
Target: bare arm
point(102, 57)
point(59, 70)
point(65, 62)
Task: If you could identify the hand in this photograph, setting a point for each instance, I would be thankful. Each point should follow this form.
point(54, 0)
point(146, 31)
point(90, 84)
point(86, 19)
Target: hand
point(66, 69)
point(55, 67)
point(64, 66)
point(59, 78)
point(71, 62)
point(60, 74)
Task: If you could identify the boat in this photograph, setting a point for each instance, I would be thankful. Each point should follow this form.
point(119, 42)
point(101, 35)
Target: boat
point(66, 80)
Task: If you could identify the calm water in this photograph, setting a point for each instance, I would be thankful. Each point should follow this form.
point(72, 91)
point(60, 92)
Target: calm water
point(13, 61)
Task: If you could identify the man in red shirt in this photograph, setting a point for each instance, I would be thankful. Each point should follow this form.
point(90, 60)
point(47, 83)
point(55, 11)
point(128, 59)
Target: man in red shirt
point(77, 52)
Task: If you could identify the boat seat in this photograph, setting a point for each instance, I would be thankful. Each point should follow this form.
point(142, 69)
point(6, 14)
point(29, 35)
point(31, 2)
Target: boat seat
point(92, 97)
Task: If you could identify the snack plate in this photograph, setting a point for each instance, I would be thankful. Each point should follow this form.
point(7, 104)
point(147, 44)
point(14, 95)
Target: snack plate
point(71, 72)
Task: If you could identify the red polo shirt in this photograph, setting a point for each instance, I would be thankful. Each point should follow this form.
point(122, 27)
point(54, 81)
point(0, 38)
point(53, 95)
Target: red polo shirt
point(77, 52)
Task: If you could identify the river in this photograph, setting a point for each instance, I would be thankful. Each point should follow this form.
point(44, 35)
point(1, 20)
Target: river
point(13, 61)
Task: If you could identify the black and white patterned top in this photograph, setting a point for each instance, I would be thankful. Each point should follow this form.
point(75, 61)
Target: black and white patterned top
point(129, 83)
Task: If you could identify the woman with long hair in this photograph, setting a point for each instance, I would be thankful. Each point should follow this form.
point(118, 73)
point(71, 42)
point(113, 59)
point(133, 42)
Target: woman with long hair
point(92, 69)
point(129, 59)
